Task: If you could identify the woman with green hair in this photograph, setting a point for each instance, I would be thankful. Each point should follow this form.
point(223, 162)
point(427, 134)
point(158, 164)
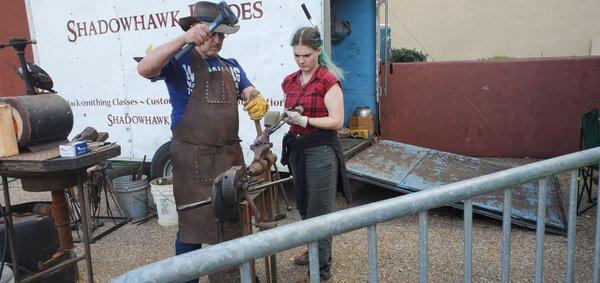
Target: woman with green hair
point(311, 148)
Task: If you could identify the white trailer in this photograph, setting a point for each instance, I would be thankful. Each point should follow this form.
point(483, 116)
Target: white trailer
point(88, 46)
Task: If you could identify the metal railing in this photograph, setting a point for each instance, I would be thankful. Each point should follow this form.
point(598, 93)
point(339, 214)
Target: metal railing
point(242, 250)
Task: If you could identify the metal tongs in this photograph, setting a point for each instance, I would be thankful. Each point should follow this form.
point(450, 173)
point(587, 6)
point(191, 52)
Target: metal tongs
point(273, 124)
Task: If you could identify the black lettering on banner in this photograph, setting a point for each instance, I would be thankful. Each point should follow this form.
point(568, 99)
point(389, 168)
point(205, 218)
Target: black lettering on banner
point(71, 29)
point(151, 22)
point(139, 22)
point(174, 21)
point(126, 23)
point(258, 9)
point(246, 12)
point(110, 25)
point(137, 120)
point(82, 27)
point(102, 26)
point(162, 19)
point(167, 19)
point(93, 29)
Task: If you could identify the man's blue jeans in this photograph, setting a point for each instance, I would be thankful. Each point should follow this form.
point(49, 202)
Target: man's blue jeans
point(181, 248)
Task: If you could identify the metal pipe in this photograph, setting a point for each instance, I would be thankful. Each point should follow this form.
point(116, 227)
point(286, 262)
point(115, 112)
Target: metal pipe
point(194, 205)
point(596, 271)
point(234, 252)
point(313, 261)
point(10, 228)
point(251, 190)
point(245, 272)
point(81, 196)
point(571, 225)
point(506, 217)
point(49, 271)
point(540, 231)
point(468, 264)
point(423, 248)
point(109, 230)
point(265, 185)
point(373, 269)
point(387, 46)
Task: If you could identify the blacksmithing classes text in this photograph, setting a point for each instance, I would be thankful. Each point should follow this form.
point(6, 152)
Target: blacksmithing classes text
point(97, 102)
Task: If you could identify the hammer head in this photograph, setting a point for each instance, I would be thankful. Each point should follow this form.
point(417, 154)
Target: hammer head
point(213, 15)
point(226, 14)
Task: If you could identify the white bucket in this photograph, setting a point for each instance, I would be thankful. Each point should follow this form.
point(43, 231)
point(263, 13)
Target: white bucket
point(162, 194)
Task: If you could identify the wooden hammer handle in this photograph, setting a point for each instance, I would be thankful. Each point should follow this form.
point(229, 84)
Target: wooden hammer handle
point(259, 131)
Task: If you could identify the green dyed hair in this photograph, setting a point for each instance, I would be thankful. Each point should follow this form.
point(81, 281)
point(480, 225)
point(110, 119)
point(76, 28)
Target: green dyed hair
point(310, 36)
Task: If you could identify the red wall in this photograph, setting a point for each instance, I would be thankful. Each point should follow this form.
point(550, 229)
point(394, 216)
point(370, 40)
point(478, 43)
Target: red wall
point(13, 23)
point(510, 108)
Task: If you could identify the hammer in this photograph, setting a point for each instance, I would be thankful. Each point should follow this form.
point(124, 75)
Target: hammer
point(226, 16)
point(253, 94)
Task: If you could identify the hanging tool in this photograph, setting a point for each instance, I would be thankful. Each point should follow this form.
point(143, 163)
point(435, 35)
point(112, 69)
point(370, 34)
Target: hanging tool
point(314, 25)
point(226, 16)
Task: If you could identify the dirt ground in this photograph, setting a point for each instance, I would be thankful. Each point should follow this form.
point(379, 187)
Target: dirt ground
point(133, 246)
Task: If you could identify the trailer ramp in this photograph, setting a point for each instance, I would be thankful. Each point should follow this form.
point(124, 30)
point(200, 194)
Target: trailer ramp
point(408, 168)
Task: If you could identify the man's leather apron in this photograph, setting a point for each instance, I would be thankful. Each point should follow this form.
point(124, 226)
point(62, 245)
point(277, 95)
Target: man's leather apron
point(205, 144)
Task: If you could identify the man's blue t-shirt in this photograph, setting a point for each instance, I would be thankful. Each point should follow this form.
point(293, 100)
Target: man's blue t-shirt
point(179, 78)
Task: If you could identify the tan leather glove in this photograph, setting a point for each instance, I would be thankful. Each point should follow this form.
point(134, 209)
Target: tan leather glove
point(256, 106)
point(297, 119)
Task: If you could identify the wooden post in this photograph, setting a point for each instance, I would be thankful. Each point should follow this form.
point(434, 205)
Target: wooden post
point(8, 137)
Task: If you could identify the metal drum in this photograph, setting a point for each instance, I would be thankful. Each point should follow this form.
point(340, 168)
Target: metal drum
point(40, 119)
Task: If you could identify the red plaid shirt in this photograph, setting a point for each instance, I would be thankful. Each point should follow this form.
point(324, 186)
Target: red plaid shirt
point(311, 96)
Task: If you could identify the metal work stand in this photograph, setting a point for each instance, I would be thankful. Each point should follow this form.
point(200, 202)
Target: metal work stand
point(45, 171)
point(98, 180)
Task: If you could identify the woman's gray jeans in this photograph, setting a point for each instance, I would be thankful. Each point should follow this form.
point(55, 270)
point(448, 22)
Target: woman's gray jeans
point(321, 182)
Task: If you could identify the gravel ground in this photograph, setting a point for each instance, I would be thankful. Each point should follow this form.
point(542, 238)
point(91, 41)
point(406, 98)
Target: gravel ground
point(133, 246)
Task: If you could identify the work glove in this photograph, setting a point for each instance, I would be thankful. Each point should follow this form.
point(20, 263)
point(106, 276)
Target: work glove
point(297, 119)
point(256, 106)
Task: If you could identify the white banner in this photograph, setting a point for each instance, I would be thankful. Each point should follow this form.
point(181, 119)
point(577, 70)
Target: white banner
point(87, 47)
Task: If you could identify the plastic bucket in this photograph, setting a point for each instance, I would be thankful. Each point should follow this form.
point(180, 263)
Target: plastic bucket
point(132, 195)
point(7, 275)
point(162, 194)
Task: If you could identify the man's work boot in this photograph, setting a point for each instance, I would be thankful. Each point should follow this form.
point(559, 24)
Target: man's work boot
point(301, 259)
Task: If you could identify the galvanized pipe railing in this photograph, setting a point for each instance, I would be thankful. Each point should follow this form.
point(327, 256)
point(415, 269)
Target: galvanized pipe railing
point(240, 251)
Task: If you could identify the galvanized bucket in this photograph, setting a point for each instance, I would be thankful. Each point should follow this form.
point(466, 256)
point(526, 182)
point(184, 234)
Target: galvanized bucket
point(132, 195)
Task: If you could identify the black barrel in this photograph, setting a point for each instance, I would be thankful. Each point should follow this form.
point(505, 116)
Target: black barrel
point(40, 119)
point(36, 240)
